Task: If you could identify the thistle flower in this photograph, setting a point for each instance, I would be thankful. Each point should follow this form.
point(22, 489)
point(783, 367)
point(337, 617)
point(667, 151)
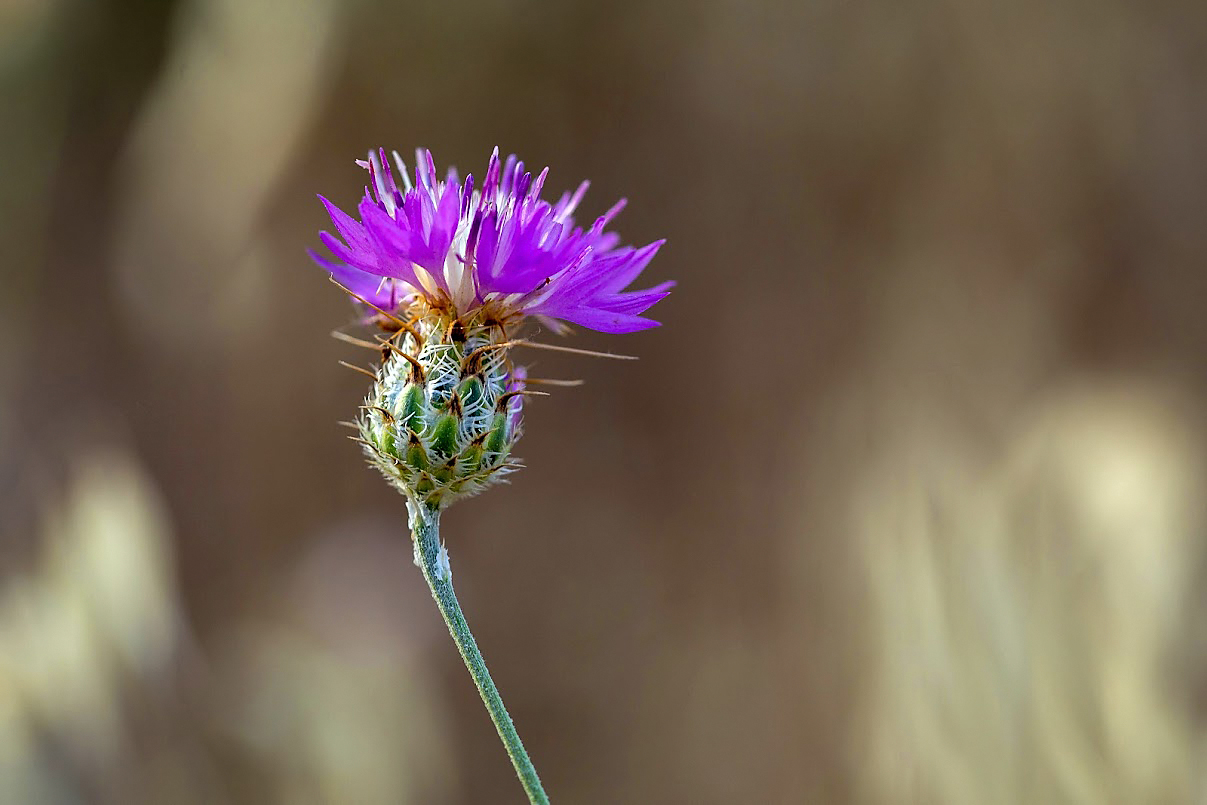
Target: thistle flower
point(451, 271)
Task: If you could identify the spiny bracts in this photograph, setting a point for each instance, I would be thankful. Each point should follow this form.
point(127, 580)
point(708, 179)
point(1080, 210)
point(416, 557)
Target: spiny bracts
point(444, 412)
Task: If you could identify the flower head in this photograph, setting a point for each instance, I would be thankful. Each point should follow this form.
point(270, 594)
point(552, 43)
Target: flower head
point(459, 247)
point(447, 268)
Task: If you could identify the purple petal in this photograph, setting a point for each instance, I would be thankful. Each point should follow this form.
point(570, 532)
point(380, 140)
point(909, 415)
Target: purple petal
point(606, 321)
point(368, 287)
point(515, 406)
point(348, 227)
point(636, 302)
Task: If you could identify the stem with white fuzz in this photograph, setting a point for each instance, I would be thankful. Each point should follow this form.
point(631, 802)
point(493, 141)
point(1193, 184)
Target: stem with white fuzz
point(433, 561)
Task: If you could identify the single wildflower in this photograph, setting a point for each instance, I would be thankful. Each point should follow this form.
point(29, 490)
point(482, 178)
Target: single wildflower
point(450, 271)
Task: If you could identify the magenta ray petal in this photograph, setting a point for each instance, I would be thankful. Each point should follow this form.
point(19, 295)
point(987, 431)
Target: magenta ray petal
point(377, 291)
point(515, 406)
point(608, 322)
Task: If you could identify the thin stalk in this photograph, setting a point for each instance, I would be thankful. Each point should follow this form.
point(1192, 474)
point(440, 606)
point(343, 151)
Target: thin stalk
point(425, 524)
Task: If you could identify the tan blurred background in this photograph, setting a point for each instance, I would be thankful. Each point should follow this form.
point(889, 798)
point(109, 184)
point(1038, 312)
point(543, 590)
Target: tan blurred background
point(904, 503)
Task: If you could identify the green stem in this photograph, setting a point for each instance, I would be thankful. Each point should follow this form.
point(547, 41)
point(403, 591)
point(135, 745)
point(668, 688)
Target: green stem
point(425, 524)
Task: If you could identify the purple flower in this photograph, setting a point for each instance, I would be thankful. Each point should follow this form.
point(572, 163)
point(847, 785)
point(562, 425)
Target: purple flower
point(460, 247)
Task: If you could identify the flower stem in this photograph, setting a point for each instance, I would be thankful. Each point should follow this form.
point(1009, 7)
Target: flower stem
point(425, 524)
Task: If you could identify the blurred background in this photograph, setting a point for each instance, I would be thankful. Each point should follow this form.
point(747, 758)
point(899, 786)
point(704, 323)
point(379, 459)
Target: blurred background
point(905, 503)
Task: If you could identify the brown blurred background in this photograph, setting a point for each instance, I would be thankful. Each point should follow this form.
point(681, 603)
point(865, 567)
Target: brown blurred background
point(903, 504)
